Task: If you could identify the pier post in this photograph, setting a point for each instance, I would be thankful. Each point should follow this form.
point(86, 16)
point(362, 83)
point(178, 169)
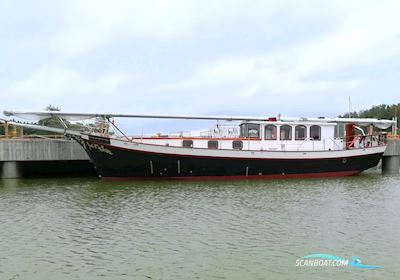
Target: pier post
point(10, 170)
point(391, 164)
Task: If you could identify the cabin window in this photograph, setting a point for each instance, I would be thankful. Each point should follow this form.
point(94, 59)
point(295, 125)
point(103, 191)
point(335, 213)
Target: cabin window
point(286, 132)
point(270, 132)
point(212, 144)
point(237, 145)
point(315, 132)
point(187, 143)
point(300, 132)
point(339, 130)
point(243, 130)
point(253, 130)
point(250, 130)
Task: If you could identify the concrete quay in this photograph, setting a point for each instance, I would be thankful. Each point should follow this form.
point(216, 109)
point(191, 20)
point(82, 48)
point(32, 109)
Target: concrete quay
point(391, 157)
point(27, 157)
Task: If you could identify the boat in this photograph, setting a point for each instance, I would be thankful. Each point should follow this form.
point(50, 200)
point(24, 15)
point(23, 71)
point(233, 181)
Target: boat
point(239, 148)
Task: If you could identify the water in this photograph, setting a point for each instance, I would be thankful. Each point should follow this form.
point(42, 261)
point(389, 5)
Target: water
point(83, 228)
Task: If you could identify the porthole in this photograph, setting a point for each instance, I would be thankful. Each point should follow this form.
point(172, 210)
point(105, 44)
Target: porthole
point(187, 143)
point(237, 145)
point(212, 144)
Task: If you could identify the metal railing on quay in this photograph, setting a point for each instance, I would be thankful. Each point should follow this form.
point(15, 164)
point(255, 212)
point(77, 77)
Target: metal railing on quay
point(391, 136)
point(32, 136)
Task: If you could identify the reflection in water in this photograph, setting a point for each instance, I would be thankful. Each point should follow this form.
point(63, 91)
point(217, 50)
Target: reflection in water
point(86, 228)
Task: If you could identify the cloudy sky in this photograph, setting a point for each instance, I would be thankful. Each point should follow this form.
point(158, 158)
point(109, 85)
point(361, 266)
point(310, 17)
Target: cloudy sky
point(218, 57)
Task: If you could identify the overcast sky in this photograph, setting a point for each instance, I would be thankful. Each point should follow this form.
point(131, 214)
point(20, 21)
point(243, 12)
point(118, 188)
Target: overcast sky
point(219, 57)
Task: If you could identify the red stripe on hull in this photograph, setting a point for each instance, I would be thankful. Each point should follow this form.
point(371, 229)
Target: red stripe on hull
point(251, 177)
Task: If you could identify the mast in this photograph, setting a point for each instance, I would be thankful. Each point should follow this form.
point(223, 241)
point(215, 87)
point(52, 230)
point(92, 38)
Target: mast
point(350, 107)
point(394, 127)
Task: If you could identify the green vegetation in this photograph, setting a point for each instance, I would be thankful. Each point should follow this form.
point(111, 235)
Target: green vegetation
point(382, 111)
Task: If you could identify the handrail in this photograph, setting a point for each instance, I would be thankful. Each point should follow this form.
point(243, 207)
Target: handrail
point(301, 144)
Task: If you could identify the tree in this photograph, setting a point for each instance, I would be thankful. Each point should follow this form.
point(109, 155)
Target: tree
point(382, 111)
point(52, 108)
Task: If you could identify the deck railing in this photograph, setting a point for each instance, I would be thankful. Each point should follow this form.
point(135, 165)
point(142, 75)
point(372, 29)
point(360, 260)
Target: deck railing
point(367, 141)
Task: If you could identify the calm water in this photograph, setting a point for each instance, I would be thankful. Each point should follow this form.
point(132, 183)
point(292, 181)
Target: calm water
point(84, 228)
